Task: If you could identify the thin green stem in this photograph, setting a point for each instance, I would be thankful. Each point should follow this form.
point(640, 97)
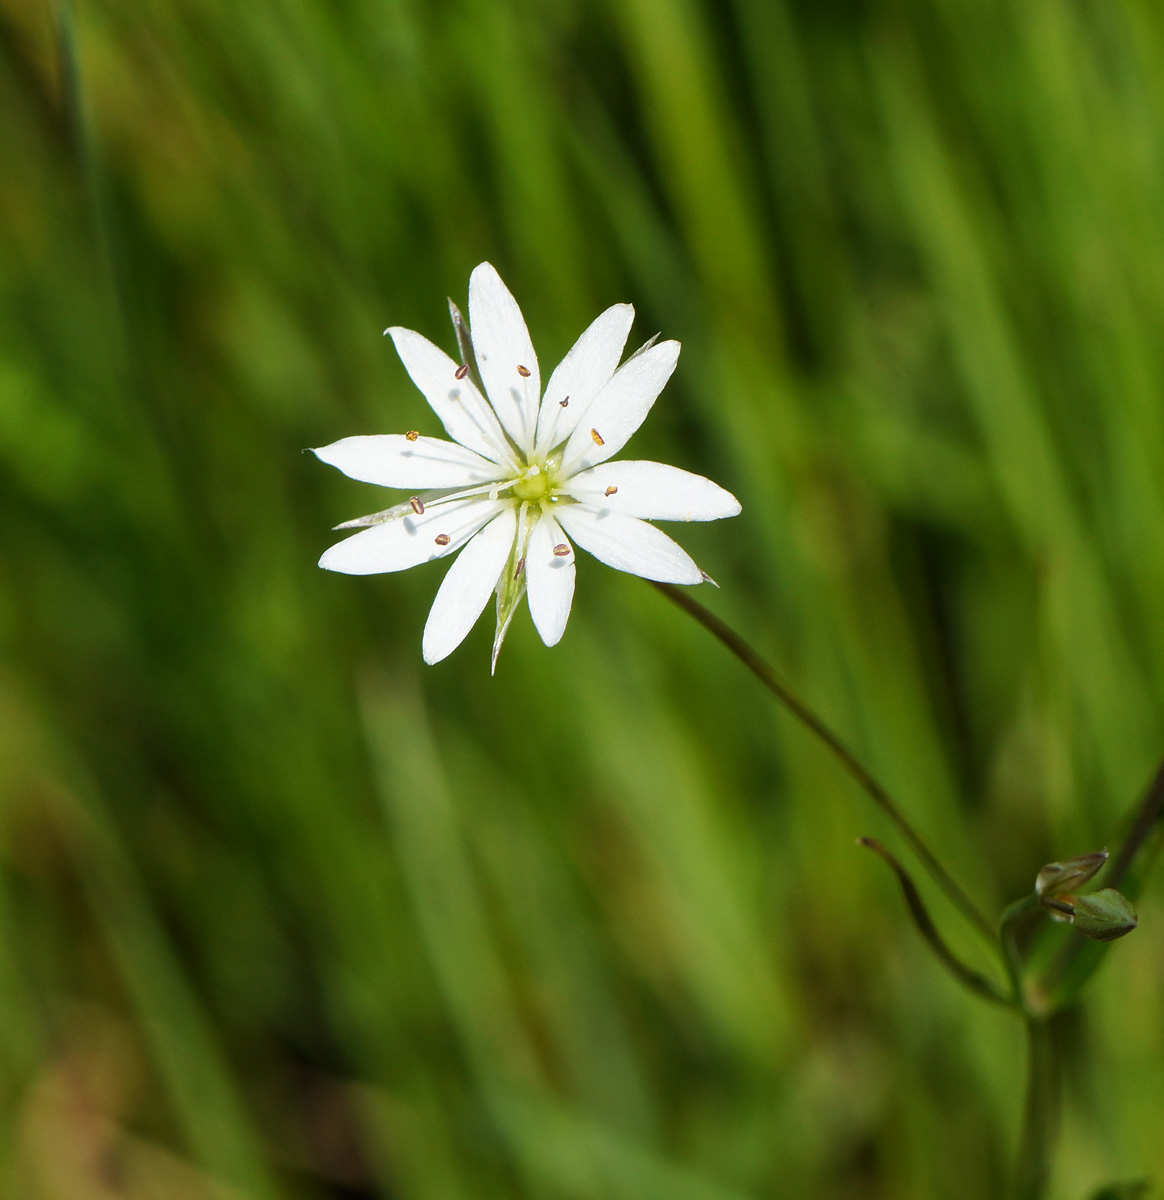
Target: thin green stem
point(1012, 918)
point(1148, 814)
point(973, 980)
point(1040, 1114)
point(809, 719)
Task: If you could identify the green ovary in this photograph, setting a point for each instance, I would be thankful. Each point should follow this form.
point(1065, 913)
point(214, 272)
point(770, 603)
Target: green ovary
point(533, 485)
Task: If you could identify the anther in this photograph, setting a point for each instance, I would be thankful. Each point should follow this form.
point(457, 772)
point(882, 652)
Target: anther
point(520, 567)
point(442, 539)
point(412, 435)
point(561, 549)
point(417, 504)
point(599, 440)
point(462, 371)
point(563, 403)
point(523, 372)
point(611, 490)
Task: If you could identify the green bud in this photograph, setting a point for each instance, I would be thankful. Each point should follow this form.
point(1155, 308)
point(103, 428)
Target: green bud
point(1104, 915)
point(1058, 877)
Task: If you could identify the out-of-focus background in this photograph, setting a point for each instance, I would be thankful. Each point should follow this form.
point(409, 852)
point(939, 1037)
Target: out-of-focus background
point(285, 914)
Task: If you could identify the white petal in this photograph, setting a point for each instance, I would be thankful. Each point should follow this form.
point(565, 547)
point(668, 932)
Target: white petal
point(462, 409)
point(392, 460)
point(620, 408)
point(502, 344)
point(628, 544)
point(653, 491)
point(580, 376)
point(404, 542)
point(467, 586)
point(550, 579)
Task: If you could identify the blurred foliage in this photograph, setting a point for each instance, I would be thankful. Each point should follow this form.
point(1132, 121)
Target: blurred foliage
point(284, 913)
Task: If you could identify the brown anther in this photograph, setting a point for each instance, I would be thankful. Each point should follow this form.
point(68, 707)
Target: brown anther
point(417, 504)
point(412, 435)
point(462, 371)
point(561, 549)
point(442, 539)
point(523, 372)
point(599, 440)
point(611, 490)
point(520, 567)
point(563, 403)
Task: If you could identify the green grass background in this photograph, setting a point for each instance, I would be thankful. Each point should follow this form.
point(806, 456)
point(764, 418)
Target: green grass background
point(283, 912)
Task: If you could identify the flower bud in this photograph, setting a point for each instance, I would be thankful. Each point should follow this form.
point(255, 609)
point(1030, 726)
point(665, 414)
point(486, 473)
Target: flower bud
point(1058, 877)
point(1104, 915)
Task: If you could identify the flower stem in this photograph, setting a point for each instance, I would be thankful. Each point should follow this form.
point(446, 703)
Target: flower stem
point(872, 788)
point(1015, 915)
point(977, 983)
point(1040, 1114)
point(1149, 812)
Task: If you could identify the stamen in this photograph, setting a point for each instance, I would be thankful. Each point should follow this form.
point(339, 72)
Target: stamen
point(412, 435)
point(492, 490)
point(523, 372)
point(462, 371)
point(561, 549)
point(611, 490)
point(520, 567)
point(432, 499)
point(563, 403)
point(442, 539)
point(599, 440)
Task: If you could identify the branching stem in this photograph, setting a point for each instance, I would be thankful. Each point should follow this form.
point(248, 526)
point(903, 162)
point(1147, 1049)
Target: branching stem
point(872, 788)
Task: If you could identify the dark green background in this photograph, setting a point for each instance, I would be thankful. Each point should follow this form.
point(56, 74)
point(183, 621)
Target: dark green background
point(284, 913)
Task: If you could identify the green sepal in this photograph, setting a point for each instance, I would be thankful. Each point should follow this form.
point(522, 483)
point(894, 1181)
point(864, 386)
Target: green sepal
point(510, 591)
point(465, 346)
point(1070, 875)
point(1104, 915)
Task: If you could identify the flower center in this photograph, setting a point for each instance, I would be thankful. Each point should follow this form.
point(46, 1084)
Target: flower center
point(533, 485)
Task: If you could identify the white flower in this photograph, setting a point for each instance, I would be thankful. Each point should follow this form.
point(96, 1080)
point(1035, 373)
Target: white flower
point(524, 474)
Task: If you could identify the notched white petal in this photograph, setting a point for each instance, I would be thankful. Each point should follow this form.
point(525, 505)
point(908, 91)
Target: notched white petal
point(620, 407)
point(467, 586)
point(505, 354)
point(408, 461)
point(549, 567)
point(582, 374)
point(409, 539)
point(628, 544)
point(652, 491)
point(452, 395)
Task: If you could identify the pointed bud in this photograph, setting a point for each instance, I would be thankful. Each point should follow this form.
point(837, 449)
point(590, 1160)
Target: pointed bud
point(1058, 877)
point(1104, 915)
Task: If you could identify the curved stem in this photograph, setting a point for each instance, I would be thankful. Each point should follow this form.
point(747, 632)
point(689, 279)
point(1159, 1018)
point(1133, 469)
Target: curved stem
point(1015, 915)
point(966, 976)
point(872, 788)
